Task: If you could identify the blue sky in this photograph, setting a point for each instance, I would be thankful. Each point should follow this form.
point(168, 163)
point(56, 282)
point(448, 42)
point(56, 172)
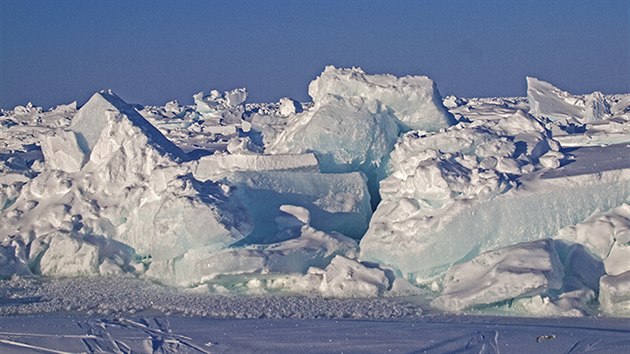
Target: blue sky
point(153, 51)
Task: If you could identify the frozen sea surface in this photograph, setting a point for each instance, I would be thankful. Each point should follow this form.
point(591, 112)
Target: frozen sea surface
point(431, 334)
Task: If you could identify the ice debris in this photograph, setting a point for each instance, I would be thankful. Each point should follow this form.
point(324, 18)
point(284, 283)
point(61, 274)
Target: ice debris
point(521, 270)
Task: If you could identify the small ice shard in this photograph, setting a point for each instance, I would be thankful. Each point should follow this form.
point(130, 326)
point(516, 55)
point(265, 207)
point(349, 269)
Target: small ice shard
point(288, 107)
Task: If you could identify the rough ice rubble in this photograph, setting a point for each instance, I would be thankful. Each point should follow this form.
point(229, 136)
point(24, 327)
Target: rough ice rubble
point(434, 177)
point(496, 179)
point(496, 150)
point(356, 119)
point(127, 195)
point(121, 199)
point(580, 120)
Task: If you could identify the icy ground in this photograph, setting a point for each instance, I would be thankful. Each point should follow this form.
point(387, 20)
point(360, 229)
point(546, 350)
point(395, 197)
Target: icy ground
point(379, 199)
point(438, 334)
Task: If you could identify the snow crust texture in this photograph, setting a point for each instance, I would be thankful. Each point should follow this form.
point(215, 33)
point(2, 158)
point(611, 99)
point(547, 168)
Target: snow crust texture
point(378, 188)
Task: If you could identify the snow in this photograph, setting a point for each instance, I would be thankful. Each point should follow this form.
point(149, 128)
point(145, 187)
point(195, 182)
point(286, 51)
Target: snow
point(104, 108)
point(344, 278)
point(614, 295)
point(521, 270)
point(413, 100)
point(374, 190)
point(215, 166)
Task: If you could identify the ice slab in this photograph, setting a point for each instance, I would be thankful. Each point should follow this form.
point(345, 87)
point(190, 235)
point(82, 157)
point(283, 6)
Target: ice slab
point(413, 100)
point(345, 136)
point(336, 202)
point(547, 101)
point(101, 109)
point(217, 165)
point(521, 270)
point(61, 151)
point(536, 209)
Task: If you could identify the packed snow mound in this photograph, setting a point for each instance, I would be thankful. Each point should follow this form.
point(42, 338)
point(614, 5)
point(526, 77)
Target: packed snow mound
point(413, 100)
point(130, 200)
point(521, 270)
point(548, 101)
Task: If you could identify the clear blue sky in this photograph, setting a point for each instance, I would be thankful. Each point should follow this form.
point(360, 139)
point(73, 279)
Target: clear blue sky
point(153, 51)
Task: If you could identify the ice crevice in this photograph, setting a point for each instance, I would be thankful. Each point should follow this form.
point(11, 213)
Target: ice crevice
point(378, 187)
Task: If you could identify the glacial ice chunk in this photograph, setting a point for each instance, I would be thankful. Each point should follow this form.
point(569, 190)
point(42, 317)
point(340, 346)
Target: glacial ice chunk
point(62, 151)
point(413, 100)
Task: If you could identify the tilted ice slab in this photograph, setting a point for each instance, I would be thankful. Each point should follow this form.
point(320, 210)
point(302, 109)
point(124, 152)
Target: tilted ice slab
point(345, 136)
point(547, 101)
point(520, 270)
point(90, 121)
point(541, 205)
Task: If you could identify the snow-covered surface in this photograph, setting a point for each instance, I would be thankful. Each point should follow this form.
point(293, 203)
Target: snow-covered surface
point(379, 188)
point(443, 334)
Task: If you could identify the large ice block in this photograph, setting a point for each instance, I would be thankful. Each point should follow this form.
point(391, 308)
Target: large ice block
point(424, 247)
